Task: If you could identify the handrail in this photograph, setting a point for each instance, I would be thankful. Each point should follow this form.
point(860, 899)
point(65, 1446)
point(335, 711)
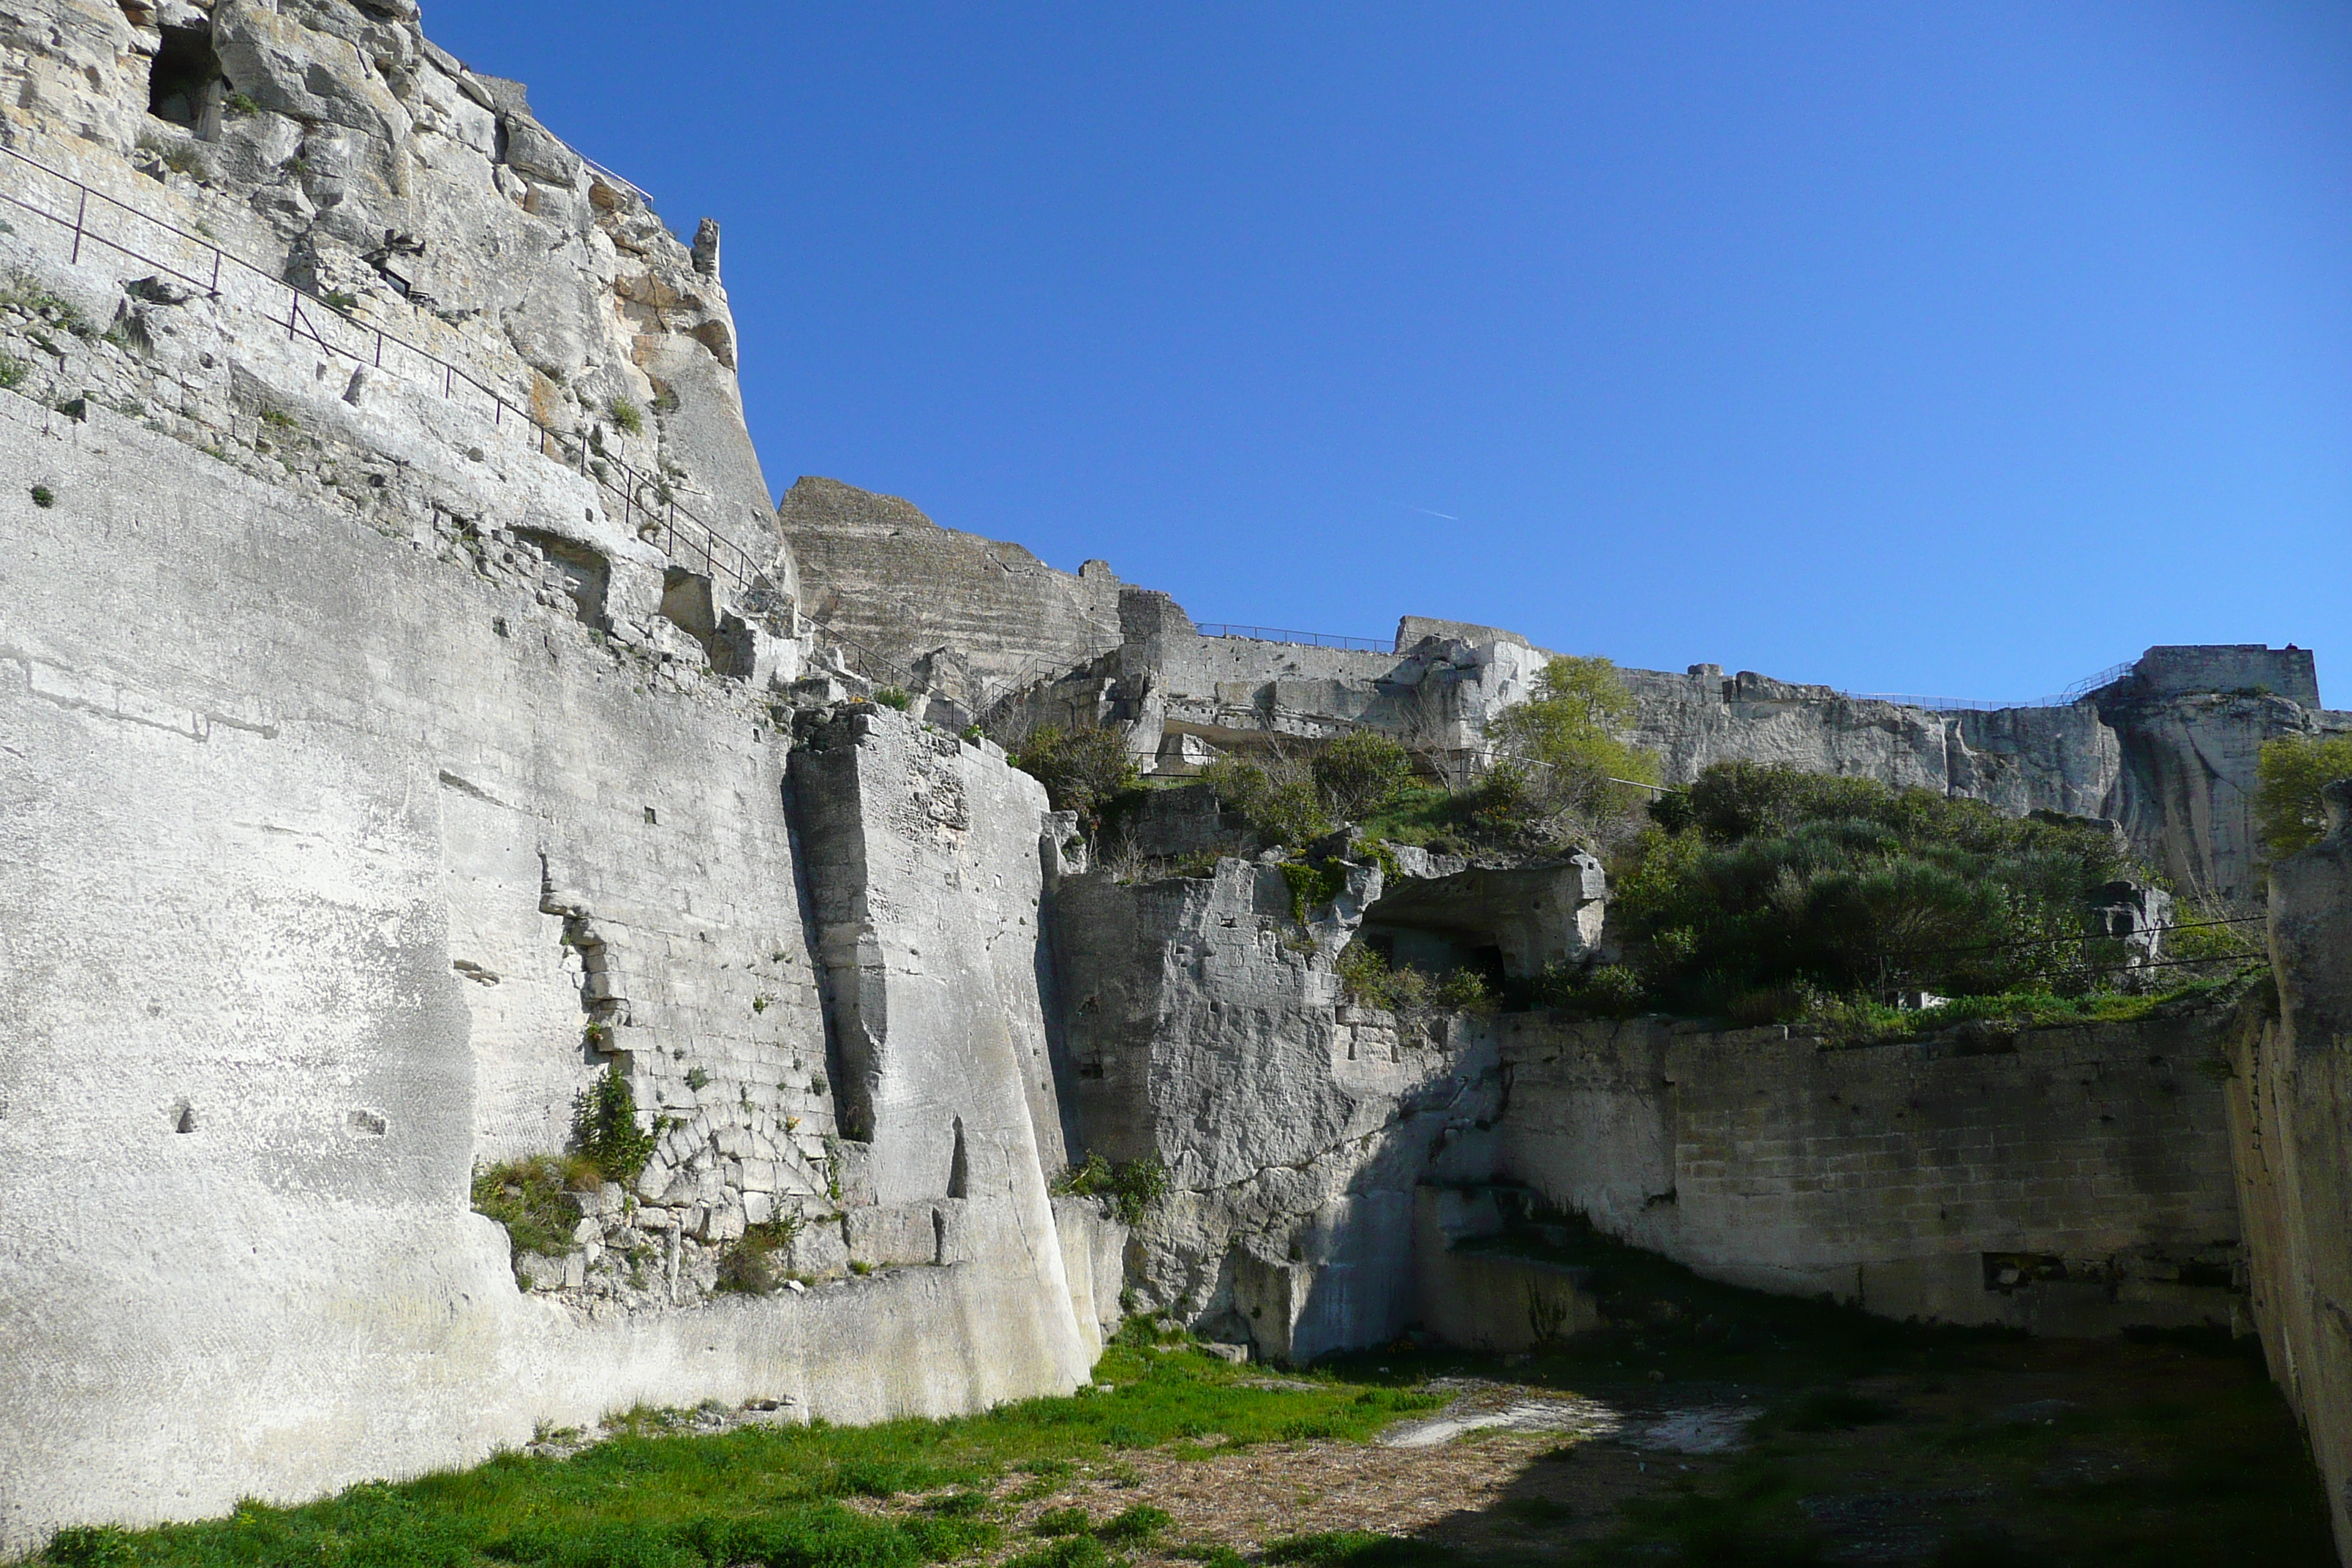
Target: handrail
point(1309, 639)
point(2066, 699)
point(648, 506)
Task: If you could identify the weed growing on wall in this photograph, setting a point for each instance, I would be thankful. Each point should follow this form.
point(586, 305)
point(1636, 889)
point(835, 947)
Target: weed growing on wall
point(2291, 770)
point(897, 696)
point(604, 1127)
point(625, 415)
point(754, 1265)
point(1129, 1189)
point(532, 1198)
point(1370, 982)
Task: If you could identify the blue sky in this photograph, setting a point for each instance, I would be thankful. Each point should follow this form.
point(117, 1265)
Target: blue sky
point(1958, 349)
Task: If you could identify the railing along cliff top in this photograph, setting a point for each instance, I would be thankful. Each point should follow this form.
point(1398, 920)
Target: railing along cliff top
point(648, 506)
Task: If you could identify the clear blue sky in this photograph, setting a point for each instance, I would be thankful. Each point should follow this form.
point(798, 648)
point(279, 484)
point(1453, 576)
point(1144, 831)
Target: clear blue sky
point(1950, 349)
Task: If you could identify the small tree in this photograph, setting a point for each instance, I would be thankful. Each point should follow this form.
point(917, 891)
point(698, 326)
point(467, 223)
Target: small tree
point(1566, 740)
point(1360, 772)
point(1282, 803)
point(2290, 773)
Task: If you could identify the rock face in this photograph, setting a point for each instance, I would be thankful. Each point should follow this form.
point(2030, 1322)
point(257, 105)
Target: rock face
point(2289, 1086)
point(883, 574)
point(408, 720)
point(417, 854)
point(330, 146)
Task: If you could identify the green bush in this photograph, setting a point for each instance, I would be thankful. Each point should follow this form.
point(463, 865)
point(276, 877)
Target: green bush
point(1286, 807)
point(748, 1267)
point(2290, 772)
point(897, 696)
point(1360, 772)
point(1784, 887)
point(1601, 990)
point(1082, 770)
point(625, 415)
point(604, 1127)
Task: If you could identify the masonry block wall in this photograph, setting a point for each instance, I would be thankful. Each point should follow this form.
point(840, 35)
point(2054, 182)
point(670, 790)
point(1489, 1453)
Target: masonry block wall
point(2069, 1180)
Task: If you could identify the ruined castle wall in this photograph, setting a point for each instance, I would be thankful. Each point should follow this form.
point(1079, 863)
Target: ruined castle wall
point(874, 569)
point(297, 818)
point(2091, 1163)
point(2289, 1090)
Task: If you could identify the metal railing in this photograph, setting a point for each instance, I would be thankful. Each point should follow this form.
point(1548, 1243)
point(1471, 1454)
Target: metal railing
point(1309, 639)
point(648, 506)
point(2066, 699)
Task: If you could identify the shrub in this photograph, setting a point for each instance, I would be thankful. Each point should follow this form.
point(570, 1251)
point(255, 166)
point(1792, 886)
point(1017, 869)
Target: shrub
point(749, 1266)
point(1082, 770)
point(1368, 981)
point(2290, 772)
point(1313, 885)
point(44, 497)
point(897, 696)
point(1793, 886)
point(626, 417)
point(1360, 773)
point(13, 372)
point(240, 103)
point(604, 1127)
point(1601, 990)
point(1282, 805)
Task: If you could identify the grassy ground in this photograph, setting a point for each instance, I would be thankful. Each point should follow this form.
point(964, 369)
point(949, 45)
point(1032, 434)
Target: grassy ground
point(1879, 1444)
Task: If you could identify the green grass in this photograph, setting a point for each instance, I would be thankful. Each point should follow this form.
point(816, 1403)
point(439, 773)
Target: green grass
point(2174, 1450)
point(768, 1495)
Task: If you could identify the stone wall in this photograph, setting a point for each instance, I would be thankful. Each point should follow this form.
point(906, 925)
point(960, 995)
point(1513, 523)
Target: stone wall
point(2289, 1089)
point(2069, 1180)
point(326, 848)
point(880, 572)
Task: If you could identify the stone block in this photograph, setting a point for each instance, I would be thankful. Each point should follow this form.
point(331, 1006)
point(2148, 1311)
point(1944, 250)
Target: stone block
point(890, 1233)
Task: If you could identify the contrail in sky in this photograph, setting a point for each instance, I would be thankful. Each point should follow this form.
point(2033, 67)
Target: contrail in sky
point(1425, 510)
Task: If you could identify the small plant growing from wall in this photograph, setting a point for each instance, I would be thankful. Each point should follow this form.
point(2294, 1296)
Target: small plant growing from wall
point(696, 1079)
point(897, 696)
point(530, 1198)
point(44, 497)
point(751, 1265)
point(1129, 1189)
point(626, 417)
point(760, 1003)
point(13, 373)
point(604, 1127)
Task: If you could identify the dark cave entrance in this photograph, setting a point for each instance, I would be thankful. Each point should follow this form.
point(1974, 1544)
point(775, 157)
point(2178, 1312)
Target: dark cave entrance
point(185, 71)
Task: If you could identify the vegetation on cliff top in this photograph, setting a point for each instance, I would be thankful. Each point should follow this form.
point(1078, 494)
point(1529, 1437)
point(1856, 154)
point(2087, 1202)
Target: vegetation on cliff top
point(1765, 893)
point(2290, 771)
